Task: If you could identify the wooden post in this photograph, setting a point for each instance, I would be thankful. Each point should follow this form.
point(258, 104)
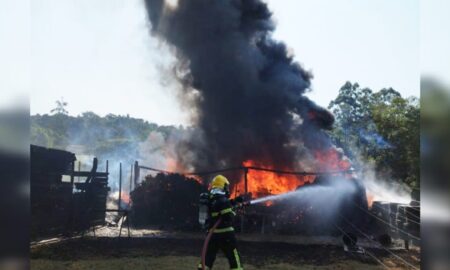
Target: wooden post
point(129, 198)
point(79, 169)
point(246, 180)
point(120, 186)
point(136, 173)
point(128, 223)
point(263, 224)
point(72, 204)
point(131, 179)
point(72, 177)
point(245, 192)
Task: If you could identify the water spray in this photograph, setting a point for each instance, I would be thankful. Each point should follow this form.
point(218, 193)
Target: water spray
point(311, 193)
point(274, 197)
point(305, 192)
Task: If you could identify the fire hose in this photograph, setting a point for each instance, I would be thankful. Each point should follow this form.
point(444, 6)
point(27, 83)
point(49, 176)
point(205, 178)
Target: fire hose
point(206, 243)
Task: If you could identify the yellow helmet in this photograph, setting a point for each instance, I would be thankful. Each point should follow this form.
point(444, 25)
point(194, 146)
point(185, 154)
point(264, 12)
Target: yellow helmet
point(220, 181)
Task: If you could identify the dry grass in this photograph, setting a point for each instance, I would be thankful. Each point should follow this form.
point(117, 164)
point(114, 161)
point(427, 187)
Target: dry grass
point(181, 253)
point(175, 263)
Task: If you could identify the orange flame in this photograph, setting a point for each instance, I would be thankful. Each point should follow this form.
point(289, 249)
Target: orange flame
point(262, 183)
point(173, 166)
point(331, 160)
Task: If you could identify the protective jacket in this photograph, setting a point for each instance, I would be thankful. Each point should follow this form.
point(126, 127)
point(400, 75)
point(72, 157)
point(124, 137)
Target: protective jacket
point(220, 207)
point(223, 237)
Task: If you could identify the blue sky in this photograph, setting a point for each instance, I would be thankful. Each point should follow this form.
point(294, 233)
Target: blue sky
point(99, 56)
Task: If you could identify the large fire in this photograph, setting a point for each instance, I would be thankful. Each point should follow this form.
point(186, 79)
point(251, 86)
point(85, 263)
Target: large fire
point(262, 183)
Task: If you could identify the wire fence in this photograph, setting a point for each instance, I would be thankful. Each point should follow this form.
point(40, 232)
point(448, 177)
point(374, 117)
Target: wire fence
point(387, 223)
point(373, 241)
point(403, 215)
point(366, 252)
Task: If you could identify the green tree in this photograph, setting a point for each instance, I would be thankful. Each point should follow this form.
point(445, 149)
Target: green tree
point(351, 109)
point(382, 127)
point(60, 107)
point(101, 136)
point(351, 106)
point(398, 122)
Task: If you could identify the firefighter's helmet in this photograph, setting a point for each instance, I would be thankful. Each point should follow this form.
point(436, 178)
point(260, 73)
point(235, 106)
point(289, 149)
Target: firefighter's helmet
point(220, 181)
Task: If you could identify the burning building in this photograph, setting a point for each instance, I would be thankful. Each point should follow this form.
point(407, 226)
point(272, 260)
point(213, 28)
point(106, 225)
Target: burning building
point(244, 88)
point(246, 95)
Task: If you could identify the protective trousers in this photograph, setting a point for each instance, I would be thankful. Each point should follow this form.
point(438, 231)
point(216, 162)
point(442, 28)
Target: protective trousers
point(227, 243)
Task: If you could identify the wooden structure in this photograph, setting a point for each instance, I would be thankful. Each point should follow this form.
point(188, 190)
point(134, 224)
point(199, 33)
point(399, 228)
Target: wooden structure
point(61, 204)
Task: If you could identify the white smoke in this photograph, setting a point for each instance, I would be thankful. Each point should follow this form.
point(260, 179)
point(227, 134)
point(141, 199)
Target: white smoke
point(172, 4)
point(384, 190)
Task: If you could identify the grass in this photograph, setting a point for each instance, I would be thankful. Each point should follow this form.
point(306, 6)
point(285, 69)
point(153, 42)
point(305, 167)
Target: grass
point(182, 253)
point(175, 263)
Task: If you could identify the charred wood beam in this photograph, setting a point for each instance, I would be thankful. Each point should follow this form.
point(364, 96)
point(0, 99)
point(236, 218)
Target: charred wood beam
point(120, 186)
point(136, 173)
point(131, 179)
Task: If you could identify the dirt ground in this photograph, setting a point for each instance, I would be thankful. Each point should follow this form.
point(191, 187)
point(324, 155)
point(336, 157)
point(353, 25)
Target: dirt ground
point(183, 253)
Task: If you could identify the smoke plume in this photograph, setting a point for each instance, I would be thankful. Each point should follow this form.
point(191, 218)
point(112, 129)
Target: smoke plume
point(245, 88)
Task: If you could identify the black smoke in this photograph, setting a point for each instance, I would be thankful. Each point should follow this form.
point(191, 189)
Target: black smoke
point(245, 87)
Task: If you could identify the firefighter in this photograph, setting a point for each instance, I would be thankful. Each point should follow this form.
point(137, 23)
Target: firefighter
point(223, 237)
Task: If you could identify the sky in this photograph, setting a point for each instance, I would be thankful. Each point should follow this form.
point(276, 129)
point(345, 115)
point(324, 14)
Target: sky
point(374, 43)
point(435, 40)
point(99, 56)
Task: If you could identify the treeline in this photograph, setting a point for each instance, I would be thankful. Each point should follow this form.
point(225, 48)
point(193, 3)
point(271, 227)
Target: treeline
point(98, 135)
point(379, 128)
